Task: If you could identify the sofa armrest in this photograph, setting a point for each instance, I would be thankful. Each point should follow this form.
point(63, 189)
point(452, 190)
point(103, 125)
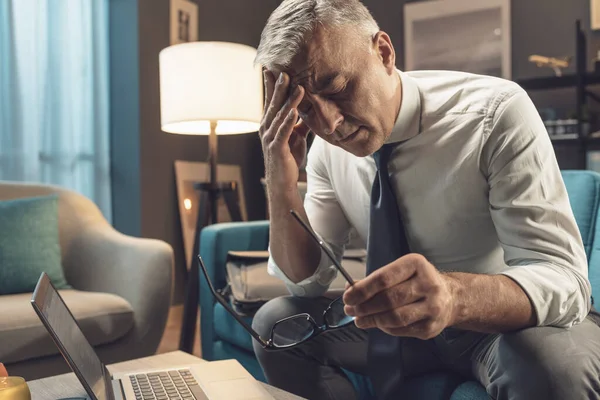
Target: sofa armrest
point(215, 242)
point(140, 270)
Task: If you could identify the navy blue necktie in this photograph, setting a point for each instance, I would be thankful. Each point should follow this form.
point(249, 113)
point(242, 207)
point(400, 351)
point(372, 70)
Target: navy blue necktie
point(386, 243)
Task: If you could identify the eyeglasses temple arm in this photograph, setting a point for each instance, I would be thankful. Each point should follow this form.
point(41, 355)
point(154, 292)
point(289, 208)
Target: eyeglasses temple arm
point(225, 304)
point(325, 249)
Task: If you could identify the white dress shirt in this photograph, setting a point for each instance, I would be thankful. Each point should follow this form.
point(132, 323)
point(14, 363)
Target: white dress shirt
point(478, 188)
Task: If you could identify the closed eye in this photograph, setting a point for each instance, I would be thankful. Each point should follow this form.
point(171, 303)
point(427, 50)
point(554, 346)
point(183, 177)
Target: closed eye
point(338, 92)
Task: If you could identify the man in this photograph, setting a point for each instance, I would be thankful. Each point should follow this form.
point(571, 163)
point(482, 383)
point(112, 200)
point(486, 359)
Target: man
point(489, 279)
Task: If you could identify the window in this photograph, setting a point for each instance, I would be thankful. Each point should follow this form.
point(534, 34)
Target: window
point(54, 95)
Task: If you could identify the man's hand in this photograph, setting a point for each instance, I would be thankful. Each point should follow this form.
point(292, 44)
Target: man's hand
point(407, 297)
point(284, 148)
point(283, 139)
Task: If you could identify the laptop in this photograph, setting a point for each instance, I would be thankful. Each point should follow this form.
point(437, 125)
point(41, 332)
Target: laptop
point(218, 380)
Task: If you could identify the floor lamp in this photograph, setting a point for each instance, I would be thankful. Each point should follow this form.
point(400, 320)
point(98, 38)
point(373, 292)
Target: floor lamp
point(208, 88)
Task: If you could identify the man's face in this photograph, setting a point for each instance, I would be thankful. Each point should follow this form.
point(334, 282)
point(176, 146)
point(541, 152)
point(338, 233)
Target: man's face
point(352, 90)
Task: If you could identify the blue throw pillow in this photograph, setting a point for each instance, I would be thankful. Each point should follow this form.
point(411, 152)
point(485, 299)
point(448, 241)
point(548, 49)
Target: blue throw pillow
point(29, 244)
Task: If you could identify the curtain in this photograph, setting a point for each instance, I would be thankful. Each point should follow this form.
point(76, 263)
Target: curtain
point(54, 95)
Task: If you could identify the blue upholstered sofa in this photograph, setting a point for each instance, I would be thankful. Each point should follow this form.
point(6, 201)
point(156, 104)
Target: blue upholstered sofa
point(222, 338)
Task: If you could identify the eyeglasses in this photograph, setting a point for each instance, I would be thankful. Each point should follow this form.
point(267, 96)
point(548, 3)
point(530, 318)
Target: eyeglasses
point(297, 329)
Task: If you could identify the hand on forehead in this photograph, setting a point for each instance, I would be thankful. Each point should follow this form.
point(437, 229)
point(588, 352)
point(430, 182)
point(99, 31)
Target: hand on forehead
point(329, 55)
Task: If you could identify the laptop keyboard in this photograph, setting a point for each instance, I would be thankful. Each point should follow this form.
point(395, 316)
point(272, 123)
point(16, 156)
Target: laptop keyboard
point(167, 385)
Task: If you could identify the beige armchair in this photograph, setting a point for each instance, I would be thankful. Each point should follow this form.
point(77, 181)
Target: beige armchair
point(121, 292)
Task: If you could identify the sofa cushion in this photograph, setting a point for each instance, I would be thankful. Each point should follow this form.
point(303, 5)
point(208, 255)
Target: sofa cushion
point(103, 318)
point(251, 283)
point(29, 244)
point(583, 188)
point(470, 390)
point(228, 329)
point(583, 194)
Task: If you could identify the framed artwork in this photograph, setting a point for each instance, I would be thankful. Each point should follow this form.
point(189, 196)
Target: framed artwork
point(595, 14)
point(460, 35)
point(184, 21)
point(188, 173)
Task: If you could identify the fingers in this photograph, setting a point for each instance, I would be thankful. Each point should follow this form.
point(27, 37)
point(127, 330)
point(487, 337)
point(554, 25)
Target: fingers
point(287, 127)
point(384, 278)
point(275, 128)
point(395, 320)
point(400, 295)
point(276, 102)
point(269, 86)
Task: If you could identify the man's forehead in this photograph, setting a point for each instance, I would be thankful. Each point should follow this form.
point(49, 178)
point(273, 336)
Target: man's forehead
point(313, 74)
point(320, 60)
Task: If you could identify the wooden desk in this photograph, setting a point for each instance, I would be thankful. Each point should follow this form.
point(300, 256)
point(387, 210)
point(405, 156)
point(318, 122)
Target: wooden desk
point(67, 385)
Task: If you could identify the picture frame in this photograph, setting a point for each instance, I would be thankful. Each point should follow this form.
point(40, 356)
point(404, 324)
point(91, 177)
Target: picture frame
point(183, 21)
point(595, 14)
point(460, 35)
point(188, 173)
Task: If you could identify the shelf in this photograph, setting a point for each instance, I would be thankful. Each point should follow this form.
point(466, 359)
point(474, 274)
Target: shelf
point(556, 82)
point(593, 142)
point(567, 139)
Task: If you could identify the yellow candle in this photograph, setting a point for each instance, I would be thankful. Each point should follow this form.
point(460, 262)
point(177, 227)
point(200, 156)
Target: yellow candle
point(14, 388)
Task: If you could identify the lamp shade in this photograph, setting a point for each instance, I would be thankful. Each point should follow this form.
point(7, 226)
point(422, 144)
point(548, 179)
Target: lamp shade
point(204, 82)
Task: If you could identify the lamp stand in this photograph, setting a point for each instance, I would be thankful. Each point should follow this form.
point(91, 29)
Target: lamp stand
point(212, 159)
point(207, 214)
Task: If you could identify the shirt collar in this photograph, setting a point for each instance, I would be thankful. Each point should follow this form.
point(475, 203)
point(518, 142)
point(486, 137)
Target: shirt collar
point(407, 123)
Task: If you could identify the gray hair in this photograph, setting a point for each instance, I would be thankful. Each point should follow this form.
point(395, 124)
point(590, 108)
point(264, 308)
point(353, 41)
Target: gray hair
point(291, 25)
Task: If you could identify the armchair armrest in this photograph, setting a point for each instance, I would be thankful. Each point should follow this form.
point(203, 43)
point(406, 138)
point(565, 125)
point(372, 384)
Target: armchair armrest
point(215, 242)
point(140, 270)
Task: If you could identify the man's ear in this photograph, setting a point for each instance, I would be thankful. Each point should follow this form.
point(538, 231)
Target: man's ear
point(382, 44)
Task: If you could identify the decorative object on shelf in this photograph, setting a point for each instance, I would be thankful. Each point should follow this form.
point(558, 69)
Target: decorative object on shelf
point(562, 129)
point(462, 35)
point(184, 21)
point(552, 62)
point(581, 80)
point(208, 88)
point(188, 175)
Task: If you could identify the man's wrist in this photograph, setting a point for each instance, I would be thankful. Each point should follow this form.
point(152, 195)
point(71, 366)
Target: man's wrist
point(281, 198)
point(277, 190)
point(458, 309)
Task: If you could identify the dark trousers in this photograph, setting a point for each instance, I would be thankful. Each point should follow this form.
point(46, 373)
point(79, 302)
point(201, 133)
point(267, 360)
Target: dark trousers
point(534, 363)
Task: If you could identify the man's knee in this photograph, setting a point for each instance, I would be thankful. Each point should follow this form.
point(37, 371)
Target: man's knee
point(547, 363)
point(283, 307)
point(271, 312)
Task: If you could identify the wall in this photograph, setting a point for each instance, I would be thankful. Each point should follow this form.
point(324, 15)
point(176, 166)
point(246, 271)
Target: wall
point(124, 116)
point(538, 27)
point(160, 214)
point(544, 27)
point(145, 197)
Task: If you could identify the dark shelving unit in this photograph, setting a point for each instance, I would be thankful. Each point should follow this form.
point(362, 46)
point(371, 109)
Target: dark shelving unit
point(557, 82)
point(580, 80)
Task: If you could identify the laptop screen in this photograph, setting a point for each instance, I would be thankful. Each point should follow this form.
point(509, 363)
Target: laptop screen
point(67, 335)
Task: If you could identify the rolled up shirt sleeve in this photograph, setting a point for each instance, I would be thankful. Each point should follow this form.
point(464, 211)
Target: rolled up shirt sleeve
point(327, 220)
point(543, 248)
